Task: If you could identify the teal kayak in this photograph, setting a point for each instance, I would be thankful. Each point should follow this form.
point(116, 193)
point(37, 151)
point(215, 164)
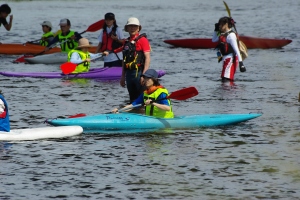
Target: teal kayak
point(131, 121)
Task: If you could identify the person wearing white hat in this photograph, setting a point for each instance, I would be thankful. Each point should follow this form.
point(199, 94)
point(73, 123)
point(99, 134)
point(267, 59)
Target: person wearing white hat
point(68, 39)
point(82, 56)
point(48, 35)
point(136, 58)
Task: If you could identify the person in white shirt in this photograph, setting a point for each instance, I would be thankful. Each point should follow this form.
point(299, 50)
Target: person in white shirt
point(228, 47)
point(110, 38)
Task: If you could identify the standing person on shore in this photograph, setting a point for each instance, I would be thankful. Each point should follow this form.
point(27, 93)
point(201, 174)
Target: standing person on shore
point(4, 116)
point(136, 58)
point(68, 39)
point(228, 47)
point(4, 12)
point(111, 37)
point(47, 34)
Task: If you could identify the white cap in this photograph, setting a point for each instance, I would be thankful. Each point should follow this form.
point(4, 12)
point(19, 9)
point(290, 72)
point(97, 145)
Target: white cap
point(47, 23)
point(133, 21)
point(63, 21)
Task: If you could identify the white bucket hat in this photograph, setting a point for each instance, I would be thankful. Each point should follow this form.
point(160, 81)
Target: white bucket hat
point(46, 23)
point(83, 42)
point(133, 21)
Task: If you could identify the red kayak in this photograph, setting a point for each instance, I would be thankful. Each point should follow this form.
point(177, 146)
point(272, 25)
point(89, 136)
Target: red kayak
point(250, 42)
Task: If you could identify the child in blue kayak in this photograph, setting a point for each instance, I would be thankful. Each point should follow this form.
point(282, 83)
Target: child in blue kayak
point(154, 98)
point(4, 116)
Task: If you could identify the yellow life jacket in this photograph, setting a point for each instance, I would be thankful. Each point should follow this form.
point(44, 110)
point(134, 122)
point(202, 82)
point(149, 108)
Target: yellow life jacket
point(83, 67)
point(70, 44)
point(46, 36)
point(152, 110)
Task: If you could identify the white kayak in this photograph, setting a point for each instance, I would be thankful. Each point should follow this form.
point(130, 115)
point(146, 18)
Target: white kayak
point(41, 133)
point(54, 58)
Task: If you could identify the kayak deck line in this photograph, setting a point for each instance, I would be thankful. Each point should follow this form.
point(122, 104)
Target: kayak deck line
point(132, 121)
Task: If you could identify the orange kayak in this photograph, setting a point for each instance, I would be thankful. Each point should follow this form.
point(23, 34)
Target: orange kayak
point(250, 42)
point(28, 48)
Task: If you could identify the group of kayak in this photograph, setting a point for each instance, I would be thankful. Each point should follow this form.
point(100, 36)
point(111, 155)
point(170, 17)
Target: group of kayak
point(132, 56)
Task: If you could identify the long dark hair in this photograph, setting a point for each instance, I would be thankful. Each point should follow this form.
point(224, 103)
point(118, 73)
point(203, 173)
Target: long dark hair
point(155, 82)
point(228, 20)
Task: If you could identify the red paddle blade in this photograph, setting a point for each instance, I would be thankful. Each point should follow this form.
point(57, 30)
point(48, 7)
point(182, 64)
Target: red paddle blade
point(183, 94)
point(77, 115)
point(96, 26)
point(68, 67)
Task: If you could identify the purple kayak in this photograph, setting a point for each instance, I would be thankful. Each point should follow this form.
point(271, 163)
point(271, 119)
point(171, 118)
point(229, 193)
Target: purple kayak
point(105, 73)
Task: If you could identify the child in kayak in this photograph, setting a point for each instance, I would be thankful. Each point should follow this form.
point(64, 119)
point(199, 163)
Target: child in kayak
point(228, 47)
point(154, 97)
point(68, 39)
point(4, 12)
point(48, 35)
point(81, 56)
point(4, 116)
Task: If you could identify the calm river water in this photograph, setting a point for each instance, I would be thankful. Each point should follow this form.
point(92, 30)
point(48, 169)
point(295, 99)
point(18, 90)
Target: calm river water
point(258, 159)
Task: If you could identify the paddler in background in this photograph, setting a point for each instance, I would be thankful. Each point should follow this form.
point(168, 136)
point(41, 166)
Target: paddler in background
point(82, 56)
point(228, 47)
point(154, 98)
point(4, 116)
point(48, 35)
point(68, 39)
point(4, 12)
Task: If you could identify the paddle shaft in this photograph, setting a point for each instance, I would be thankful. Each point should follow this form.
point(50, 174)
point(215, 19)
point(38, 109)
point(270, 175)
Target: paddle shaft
point(181, 94)
point(92, 28)
point(229, 14)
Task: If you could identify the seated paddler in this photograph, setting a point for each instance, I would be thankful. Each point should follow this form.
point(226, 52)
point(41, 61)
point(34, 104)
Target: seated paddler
point(81, 56)
point(154, 98)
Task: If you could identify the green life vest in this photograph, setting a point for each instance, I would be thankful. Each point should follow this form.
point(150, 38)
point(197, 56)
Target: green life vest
point(70, 44)
point(82, 67)
point(152, 110)
point(47, 36)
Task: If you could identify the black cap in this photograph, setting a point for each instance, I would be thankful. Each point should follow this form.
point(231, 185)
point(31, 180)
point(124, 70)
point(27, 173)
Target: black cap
point(110, 16)
point(151, 73)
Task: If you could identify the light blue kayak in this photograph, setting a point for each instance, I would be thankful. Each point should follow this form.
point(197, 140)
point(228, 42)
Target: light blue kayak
point(130, 122)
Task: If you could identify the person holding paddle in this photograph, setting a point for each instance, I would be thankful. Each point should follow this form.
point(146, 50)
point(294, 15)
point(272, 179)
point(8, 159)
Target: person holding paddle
point(81, 56)
point(48, 35)
point(154, 97)
point(111, 37)
point(4, 116)
point(228, 46)
point(68, 39)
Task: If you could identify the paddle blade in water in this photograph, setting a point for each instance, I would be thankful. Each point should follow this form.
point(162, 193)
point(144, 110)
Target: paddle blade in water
point(96, 26)
point(68, 67)
point(183, 94)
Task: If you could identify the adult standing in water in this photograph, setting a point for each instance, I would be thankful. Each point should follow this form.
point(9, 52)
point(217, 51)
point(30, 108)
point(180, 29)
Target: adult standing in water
point(111, 37)
point(5, 10)
point(4, 116)
point(228, 47)
point(136, 58)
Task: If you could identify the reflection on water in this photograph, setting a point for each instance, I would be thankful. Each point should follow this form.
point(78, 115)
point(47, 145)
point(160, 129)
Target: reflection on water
point(257, 159)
